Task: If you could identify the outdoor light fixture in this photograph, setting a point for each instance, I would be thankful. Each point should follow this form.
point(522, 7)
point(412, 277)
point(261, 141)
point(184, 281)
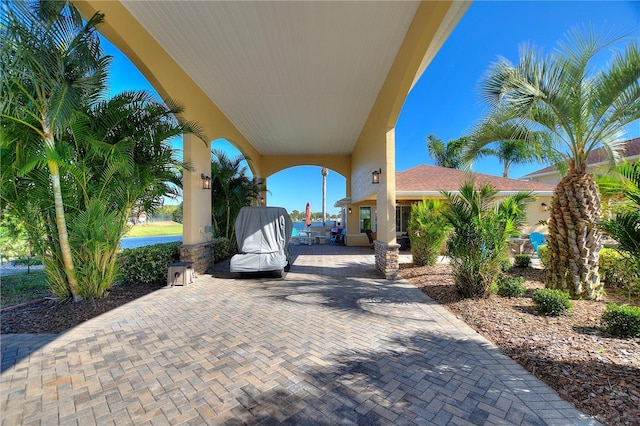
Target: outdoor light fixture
point(544, 206)
point(206, 181)
point(262, 201)
point(350, 210)
point(375, 176)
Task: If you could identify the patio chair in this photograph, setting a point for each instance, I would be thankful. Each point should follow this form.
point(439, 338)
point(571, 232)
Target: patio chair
point(340, 237)
point(537, 240)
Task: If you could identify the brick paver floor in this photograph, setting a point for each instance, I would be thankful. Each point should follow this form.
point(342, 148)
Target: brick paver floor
point(332, 343)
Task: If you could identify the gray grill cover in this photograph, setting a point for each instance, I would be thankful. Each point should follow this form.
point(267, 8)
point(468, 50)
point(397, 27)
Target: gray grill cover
point(263, 235)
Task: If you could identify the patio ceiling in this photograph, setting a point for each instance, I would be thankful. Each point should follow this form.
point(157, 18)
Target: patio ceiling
point(295, 78)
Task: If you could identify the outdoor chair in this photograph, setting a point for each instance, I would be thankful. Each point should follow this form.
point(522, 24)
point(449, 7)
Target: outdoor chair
point(537, 240)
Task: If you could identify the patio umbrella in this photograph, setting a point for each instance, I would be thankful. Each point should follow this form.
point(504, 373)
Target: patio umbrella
point(307, 216)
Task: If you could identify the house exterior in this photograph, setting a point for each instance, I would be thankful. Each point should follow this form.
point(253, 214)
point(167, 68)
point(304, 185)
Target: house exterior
point(597, 164)
point(426, 181)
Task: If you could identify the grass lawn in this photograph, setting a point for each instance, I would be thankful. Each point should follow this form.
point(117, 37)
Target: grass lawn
point(21, 288)
point(155, 229)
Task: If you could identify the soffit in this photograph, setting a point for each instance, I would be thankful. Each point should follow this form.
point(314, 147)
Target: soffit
point(293, 77)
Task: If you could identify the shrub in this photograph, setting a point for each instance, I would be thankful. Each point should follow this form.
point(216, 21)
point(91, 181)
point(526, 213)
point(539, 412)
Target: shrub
point(622, 320)
point(511, 286)
point(427, 230)
point(544, 255)
point(28, 261)
point(505, 264)
point(522, 260)
point(148, 265)
point(222, 248)
point(619, 270)
point(551, 302)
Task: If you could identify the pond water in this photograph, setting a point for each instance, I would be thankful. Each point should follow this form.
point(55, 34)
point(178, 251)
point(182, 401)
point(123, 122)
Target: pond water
point(133, 242)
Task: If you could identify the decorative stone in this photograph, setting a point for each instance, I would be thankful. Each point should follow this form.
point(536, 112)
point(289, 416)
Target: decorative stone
point(387, 259)
point(201, 255)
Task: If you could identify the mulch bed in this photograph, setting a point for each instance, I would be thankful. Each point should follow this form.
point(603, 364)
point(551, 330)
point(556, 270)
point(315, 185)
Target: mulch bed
point(54, 317)
point(597, 372)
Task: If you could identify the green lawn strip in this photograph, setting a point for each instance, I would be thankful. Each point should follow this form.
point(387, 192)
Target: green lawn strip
point(22, 288)
point(155, 229)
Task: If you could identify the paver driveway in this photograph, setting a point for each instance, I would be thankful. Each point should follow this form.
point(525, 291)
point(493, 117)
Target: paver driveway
point(332, 343)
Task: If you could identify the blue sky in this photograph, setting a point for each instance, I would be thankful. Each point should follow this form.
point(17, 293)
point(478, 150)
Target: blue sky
point(444, 102)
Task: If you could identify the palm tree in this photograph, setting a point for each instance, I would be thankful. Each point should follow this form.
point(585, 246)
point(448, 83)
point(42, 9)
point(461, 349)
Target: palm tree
point(508, 143)
point(324, 172)
point(231, 189)
point(480, 226)
point(446, 154)
point(580, 111)
point(51, 64)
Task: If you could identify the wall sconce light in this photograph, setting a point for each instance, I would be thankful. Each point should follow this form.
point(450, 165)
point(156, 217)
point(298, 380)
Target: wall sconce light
point(206, 181)
point(544, 207)
point(375, 176)
point(262, 201)
point(350, 211)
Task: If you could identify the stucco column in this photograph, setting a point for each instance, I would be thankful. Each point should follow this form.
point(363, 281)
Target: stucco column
point(386, 248)
point(196, 205)
point(387, 193)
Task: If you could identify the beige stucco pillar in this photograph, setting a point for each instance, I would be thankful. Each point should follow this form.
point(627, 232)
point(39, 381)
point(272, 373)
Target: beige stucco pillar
point(387, 193)
point(196, 234)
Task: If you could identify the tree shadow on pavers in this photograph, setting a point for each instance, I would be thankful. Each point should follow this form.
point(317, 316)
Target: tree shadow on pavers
point(16, 347)
point(422, 379)
point(354, 294)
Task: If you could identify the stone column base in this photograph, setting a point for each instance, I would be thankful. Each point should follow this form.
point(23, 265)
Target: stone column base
point(387, 259)
point(200, 254)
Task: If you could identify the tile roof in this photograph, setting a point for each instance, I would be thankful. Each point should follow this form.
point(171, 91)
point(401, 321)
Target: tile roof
point(426, 178)
point(631, 149)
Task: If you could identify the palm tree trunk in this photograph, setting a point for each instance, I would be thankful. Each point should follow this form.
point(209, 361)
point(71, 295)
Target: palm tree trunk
point(574, 239)
point(63, 234)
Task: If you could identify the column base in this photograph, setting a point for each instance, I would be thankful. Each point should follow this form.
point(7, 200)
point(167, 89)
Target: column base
point(201, 255)
point(387, 256)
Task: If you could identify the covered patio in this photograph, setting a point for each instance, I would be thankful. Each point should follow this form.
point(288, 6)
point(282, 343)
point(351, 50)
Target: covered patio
point(288, 83)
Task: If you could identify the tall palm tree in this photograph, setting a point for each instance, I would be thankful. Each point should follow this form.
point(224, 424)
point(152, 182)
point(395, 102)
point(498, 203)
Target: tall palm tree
point(324, 172)
point(580, 110)
point(51, 64)
point(508, 143)
point(446, 154)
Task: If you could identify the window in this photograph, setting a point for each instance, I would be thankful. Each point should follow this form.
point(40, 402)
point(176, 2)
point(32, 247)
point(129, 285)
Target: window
point(365, 219)
point(403, 214)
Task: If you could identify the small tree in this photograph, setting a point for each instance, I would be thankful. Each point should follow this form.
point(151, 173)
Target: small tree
point(477, 243)
point(428, 228)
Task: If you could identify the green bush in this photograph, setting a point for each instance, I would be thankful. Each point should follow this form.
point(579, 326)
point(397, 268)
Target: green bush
point(622, 320)
point(427, 230)
point(148, 265)
point(511, 286)
point(619, 270)
point(505, 264)
point(28, 261)
point(544, 255)
point(522, 261)
point(551, 302)
point(222, 248)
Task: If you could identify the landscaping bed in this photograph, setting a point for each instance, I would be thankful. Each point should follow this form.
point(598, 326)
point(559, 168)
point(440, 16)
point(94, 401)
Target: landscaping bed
point(597, 372)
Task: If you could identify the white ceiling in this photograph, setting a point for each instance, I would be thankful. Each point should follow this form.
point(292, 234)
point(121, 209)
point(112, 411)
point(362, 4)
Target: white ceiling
point(293, 77)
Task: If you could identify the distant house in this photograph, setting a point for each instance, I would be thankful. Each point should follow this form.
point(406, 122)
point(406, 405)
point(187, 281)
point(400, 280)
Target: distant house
point(597, 163)
point(427, 182)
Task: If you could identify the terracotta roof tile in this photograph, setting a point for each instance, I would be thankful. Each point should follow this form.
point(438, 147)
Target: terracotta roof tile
point(434, 178)
point(631, 149)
